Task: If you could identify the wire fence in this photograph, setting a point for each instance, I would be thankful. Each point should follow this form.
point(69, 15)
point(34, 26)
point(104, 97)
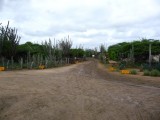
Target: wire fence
point(37, 63)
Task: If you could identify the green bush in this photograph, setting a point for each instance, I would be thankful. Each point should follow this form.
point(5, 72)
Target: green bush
point(122, 65)
point(146, 73)
point(157, 66)
point(146, 66)
point(133, 72)
point(155, 73)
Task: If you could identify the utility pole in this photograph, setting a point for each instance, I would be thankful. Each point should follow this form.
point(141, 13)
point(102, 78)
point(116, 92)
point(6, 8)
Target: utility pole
point(150, 55)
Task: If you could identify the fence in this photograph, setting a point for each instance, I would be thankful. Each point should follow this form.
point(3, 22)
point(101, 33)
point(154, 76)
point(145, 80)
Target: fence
point(36, 63)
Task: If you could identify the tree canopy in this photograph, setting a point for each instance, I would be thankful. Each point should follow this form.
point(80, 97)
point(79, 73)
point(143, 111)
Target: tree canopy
point(140, 49)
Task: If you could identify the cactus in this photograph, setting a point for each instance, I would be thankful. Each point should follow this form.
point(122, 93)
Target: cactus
point(9, 40)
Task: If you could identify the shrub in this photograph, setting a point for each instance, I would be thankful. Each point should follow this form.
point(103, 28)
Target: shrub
point(155, 73)
point(157, 66)
point(146, 67)
point(122, 65)
point(146, 73)
point(133, 72)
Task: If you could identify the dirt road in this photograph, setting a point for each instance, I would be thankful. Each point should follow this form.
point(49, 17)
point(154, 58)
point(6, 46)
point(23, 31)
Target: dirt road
point(83, 91)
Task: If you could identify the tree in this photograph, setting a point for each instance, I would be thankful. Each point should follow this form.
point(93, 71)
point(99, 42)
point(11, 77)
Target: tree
point(65, 45)
point(103, 53)
point(78, 53)
point(136, 50)
point(9, 40)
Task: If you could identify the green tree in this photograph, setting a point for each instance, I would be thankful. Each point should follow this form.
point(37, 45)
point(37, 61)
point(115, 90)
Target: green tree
point(65, 45)
point(9, 40)
point(138, 49)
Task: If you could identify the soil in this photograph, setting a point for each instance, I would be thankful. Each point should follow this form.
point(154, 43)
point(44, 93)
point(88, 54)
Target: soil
point(84, 91)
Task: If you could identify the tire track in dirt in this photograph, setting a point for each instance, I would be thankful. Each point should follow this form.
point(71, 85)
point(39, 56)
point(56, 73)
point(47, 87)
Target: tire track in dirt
point(78, 92)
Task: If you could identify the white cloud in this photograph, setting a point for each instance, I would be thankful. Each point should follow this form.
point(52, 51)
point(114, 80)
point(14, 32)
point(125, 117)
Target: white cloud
point(88, 22)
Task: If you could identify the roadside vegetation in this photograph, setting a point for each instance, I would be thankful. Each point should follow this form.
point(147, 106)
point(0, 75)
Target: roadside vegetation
point(50, 53)
point(143, 55)
point(153, 72)
point(133, 72)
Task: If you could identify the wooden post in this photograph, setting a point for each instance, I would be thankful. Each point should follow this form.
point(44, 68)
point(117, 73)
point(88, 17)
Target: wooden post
point(46, 63)
point(3, 61)
point(7, 64)
point(21, 63)
point(133, 60)
point(12, 61)
point(31, 65)
point(150, 55)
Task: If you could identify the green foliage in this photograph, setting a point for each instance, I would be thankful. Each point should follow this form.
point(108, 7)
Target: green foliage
point(145, 66)
point(65, 45)
point(113, 55)
point(89, 52)
point(102, 49)
point(23, 49)
point(146, 73)
point(9, 40)
point(157, 66)
point(103, 54)
point(133, 72)
point(118, 51)
point(78, 53)
point(122, 65)
point(140, 52)
point(155, 73)
point(31, 55)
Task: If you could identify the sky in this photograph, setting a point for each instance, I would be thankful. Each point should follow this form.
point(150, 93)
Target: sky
point(88, 23)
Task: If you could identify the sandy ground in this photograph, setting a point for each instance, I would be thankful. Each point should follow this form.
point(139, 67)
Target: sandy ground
point(84, 91)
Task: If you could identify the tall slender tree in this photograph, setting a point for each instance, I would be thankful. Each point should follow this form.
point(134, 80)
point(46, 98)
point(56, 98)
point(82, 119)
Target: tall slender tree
point(9, 40)
point(65, 45)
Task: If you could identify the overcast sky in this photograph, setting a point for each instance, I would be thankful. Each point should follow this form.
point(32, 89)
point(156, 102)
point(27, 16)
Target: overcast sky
point(88, 22)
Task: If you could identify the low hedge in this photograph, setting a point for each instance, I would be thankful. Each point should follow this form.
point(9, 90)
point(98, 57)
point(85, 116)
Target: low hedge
point(133, 72)
point(154, 72)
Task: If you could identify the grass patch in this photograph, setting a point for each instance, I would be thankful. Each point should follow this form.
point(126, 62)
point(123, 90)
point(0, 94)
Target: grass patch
point(133, 72)
point(146, 73)
point(155, 73)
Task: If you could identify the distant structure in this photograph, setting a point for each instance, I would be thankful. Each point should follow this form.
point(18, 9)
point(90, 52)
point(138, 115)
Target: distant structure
point(156, 58)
